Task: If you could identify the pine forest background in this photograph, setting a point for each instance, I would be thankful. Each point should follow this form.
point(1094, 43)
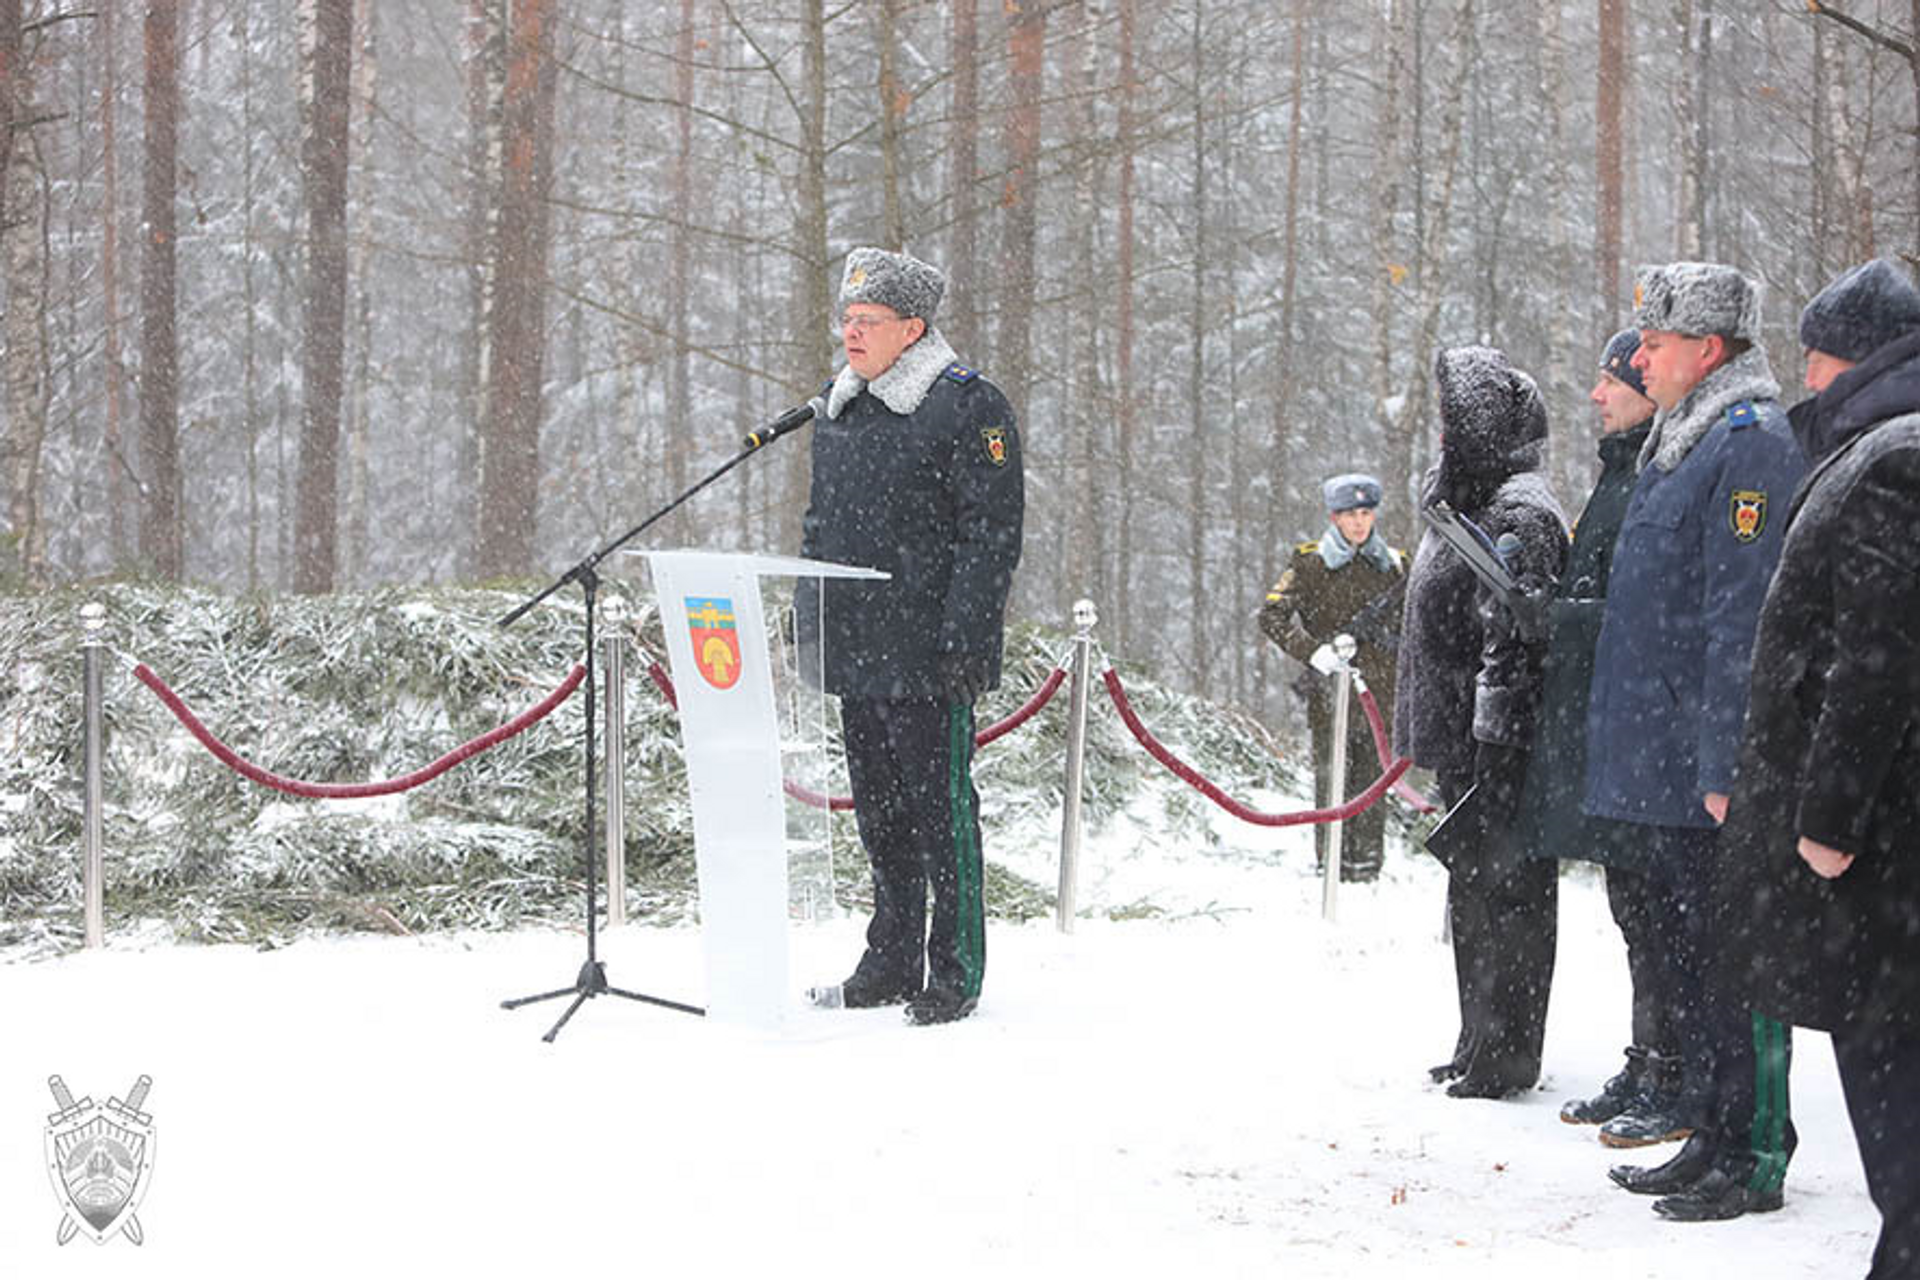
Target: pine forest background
point(336, 294)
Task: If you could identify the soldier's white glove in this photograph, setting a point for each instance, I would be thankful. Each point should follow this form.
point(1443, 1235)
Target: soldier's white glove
point(1324, 660)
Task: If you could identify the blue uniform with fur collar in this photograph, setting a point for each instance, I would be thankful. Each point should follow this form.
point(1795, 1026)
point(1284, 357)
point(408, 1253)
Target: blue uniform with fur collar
point(1670, 672)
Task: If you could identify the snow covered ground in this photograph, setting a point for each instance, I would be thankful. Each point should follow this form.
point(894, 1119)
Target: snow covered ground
point(1237, 1089)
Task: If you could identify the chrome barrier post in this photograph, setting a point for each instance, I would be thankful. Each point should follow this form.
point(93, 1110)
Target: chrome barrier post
point(1084, 618)
point(1344, 648)
point(613, 659)
point(93, 623)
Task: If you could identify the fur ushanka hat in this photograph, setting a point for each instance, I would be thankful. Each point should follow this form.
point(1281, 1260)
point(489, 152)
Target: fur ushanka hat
point(898, 280)
point(1697, 298)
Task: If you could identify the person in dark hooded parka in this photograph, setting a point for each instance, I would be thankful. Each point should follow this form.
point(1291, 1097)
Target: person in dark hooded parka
point(1467, 692)
point(1819, 889)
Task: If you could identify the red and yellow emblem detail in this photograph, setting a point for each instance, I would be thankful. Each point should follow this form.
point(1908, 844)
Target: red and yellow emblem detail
point(1747, 514)
point(716, 642)
point(995, 438)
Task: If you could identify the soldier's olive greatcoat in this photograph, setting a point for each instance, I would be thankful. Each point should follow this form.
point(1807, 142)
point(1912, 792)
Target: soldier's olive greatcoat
point(1308, 607)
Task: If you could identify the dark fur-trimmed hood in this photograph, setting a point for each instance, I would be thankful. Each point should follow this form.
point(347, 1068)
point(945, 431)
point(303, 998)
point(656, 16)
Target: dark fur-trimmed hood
point(1493, 423)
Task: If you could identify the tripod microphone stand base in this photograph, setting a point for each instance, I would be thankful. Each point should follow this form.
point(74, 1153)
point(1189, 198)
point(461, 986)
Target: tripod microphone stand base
point(593, 982)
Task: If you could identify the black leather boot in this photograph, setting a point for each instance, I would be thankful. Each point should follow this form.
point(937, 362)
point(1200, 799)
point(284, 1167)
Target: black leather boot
point(1693, 1162)
point(1718, 1197)
point(1619, 1094)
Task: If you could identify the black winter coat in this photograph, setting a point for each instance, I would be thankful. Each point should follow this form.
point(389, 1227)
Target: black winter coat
point(933, 497)
point(1549, 822)
point(1464, 675)
point(1831, 747)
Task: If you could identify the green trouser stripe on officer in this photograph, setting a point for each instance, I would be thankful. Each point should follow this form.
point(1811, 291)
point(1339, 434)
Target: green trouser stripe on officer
point(1768, 1139)
point(971, 926)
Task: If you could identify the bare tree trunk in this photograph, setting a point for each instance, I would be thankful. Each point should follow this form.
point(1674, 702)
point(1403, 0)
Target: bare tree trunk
point(1406, 438)
point(24, 329)
point(1569, 455)
point(961, 316)
point(1389, 269)
point(115, 460)
point(1200, 639)
point(1691, 108)
point(366, 103)
point(893, 111)
point(486, 58)
point(1280, 450)
point(324, 166)
point(249, 297)
point(680, 251)
point(1026, 83)
point(811, 340)
point(1083, 554)
point(516, 348)
point(1124, 422)
point(161, 544)
point(1608, 154)
point(1907, 49)
point(1849, 204)
point(13, 74)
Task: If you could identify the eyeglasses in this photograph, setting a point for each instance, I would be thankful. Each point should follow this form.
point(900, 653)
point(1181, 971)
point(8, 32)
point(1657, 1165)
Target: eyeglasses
point(861, 324)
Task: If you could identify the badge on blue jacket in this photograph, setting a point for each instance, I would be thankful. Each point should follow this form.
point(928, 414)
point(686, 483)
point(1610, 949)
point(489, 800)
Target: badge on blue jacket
point(1747, 513)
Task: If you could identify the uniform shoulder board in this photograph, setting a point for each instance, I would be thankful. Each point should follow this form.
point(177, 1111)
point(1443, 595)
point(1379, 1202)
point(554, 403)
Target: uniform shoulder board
point(958, 372)
point(1742, 415)
point(1399, 556)
point(1307, 549)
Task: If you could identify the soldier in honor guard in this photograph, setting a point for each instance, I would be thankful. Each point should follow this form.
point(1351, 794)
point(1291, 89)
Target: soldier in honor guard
point(916, 472)
point(1349, 581)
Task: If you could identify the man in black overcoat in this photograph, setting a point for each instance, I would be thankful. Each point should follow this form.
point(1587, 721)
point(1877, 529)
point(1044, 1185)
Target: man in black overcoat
point(916, 472)
point(1820, 858)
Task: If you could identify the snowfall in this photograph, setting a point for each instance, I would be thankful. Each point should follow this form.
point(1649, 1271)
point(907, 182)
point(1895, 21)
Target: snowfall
point(1236, 1087)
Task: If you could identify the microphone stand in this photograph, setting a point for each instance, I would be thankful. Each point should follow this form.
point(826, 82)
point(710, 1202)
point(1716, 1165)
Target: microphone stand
point(592, 978)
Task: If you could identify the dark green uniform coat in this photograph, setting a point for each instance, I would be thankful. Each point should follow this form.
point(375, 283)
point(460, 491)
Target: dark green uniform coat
point(1309, 606)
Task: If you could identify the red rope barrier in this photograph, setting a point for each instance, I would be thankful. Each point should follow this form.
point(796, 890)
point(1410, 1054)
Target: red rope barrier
point(1025, 712)
point(1380, 748)
point(352, 790)
point(1186, 773)
point(1047, 689)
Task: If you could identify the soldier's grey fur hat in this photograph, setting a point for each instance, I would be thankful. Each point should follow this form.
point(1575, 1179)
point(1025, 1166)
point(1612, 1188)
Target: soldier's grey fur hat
point(1697, 298)
point(1864, 308)
point(1355, 489)
point(898, 280)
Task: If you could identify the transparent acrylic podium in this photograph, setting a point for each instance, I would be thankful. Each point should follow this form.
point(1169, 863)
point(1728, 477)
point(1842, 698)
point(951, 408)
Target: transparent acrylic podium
point(753, 726)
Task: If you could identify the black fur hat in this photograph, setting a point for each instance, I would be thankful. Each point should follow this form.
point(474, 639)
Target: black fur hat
point(1864, 308)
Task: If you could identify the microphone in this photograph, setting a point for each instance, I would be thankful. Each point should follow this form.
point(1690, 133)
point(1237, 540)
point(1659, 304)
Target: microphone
point(791, 420)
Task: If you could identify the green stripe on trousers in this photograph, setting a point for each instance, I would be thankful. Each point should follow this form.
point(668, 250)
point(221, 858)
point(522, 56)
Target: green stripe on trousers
point(971, 926)
point(1769, 1137)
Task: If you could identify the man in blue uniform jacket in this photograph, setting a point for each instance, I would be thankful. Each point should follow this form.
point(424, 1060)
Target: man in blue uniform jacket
point(916, 472)
point(1696, 550)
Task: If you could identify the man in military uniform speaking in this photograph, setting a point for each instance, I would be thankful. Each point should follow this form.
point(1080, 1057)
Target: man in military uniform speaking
point(1349, 581)
point(916, 472)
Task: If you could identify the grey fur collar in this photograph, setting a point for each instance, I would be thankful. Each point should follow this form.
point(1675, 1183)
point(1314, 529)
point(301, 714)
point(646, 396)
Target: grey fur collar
point(904, 385)
point(1747, 376)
